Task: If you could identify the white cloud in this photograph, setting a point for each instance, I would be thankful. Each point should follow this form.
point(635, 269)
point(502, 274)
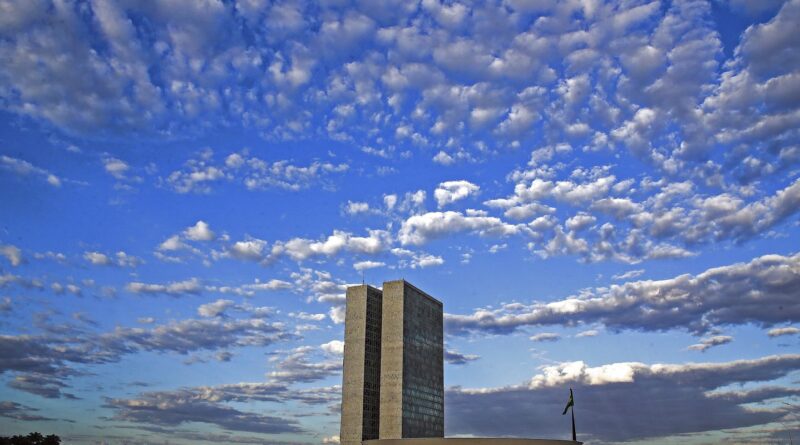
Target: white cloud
point(413, 201)
point(273, 284)
point(443, 158)
point(197, 178)
point(120, 259)
point(251, 249)
point(390, 201)
point(364, 265)
point(542, 155)
point(12, 253)
point(199, 232)
point(498, 247)
point(420, 229)
point(337, 314)
point(416, 259)
point(354, 208)
point(580, 222)
point(617, 207)
point(628, 372)
point(789, 330)
point(200, 173)
point(250, 290)
point(215, 309)
point(426, 260)
point(172, 243)
point(562, 243)
point(628, 275)
point(308, 317)
point(521, 212)
point(333, 347)
point(116, 168)
point(187, 287)
point(449, 192)
point(97, 258)
point(300, 249)
point(123, 259)
point(25, 168)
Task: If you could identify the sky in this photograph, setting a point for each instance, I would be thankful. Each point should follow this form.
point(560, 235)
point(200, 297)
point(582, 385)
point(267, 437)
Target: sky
point(604, 196)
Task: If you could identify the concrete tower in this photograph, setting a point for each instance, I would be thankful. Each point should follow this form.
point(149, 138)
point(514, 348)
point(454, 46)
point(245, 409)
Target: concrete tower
point(393, 378)
point(362, 365)
point(412, 367)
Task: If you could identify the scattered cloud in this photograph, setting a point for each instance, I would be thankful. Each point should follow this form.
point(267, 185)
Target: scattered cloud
point(364, 265)
point(250, 249)
point(199, 232)
point(191, 286)
point(295, 367)
point(24, 169)
point(545, 336)
point(12, 253)
point(201, 173)
point(711, 342)
point(449, 192)
point(116, 167)
point(628, 275)
point(175, 408)
point(413, 260)
point(214, 309)
point(333, 347)
point(755, 292)
point(456, 358)
point(778, 332)
point(43, 363)
point(354, 208)
point(420, 229)
point(17, 411)
point(300, 249)
point(675, 393)
point(120, 259)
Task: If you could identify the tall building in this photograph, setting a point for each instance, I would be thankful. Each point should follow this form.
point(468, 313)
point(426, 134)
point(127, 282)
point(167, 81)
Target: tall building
point(412, 367)
point(362, 365)
point(393, 378)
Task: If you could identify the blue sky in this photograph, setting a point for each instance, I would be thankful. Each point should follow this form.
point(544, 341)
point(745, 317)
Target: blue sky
point(605, 197)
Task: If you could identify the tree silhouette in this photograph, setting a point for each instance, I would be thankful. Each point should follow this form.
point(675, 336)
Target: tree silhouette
point(31, 439)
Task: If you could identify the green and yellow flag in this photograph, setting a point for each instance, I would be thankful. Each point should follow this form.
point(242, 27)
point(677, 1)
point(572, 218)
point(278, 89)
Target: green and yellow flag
point(569, 403)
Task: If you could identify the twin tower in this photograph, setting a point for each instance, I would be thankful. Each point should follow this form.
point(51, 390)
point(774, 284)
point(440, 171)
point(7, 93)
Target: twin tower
point(393, 379)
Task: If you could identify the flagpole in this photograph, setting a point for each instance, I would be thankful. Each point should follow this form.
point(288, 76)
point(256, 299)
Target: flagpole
point(571, 404)
point(574, 436)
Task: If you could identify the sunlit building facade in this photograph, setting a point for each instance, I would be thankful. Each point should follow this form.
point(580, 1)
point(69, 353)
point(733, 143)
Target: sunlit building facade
point(362, 365)
point(399, 329)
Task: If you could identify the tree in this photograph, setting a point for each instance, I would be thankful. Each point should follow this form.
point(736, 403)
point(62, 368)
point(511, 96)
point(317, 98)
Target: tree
point(31, 439)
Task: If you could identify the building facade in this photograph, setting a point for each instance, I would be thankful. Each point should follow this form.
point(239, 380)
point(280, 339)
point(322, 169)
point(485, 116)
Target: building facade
point(362, 365)
point(412, 367)
point(393, 378)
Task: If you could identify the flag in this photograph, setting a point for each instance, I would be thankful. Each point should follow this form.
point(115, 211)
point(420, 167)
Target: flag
point(569, 403)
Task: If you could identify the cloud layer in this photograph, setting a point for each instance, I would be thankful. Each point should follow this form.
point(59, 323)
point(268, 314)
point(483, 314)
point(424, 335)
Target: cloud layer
point(624, 401)
point(761, 291)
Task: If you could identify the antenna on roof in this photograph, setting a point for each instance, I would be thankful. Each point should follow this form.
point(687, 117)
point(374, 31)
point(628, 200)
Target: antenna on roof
point(363, 275)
